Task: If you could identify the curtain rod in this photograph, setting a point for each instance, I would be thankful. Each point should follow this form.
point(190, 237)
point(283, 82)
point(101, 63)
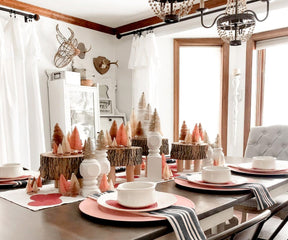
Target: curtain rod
point(27, 16)
point(140, 30)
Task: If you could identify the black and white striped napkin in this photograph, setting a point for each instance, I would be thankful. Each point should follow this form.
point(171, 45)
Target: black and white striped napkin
point(183, 220)
point(14, 184)
point(95, 196)
point(261, 193)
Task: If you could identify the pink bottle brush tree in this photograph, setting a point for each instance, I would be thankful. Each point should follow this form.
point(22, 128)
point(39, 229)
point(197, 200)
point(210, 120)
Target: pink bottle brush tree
point(75, 141)
point(121, 137)
point(195, 134)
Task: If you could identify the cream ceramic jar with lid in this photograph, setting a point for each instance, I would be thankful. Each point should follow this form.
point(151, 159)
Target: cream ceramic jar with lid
point(264, 162)
point(11, 170)
point(216, 174)
point(136, 194)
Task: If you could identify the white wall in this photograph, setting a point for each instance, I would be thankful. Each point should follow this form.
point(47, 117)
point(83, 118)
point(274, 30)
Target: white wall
point(102, 45)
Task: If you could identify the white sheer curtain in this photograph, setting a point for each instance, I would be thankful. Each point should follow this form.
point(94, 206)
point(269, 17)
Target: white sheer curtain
point(21, 123)
point(144, 62)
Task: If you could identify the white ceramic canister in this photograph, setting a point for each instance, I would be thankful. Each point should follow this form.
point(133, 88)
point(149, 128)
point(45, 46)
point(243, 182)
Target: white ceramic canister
point(216, 174)
point(11, 170)
point(136, 194)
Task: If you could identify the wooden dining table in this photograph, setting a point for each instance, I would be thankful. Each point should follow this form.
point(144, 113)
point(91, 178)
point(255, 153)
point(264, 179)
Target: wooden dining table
point(67, 221)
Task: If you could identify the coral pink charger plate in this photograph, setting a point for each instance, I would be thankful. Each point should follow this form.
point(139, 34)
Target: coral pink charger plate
point(91, 208)
point(195, 186)
point(281, 166)
point(15, 178)
point(235, 181)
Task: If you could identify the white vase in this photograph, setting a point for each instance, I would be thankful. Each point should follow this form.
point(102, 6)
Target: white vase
point(208, 161)
point(90, 170)
point(218, 157)
point(101, 157)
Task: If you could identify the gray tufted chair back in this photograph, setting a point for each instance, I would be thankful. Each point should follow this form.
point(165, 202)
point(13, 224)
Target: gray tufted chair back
point(268, 141)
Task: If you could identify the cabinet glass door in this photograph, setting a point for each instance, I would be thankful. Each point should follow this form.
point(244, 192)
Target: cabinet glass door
point(82, 113)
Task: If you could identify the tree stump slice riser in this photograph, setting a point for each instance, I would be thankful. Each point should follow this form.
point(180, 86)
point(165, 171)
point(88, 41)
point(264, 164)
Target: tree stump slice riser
point(142, 142)
point(51, 166)
point(182, 151)
point(128, 156)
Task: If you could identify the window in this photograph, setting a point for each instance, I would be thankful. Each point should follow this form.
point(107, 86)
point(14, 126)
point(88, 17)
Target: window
point(270, 85)
point(200, 89)
point(266, 80)
point(201, 85)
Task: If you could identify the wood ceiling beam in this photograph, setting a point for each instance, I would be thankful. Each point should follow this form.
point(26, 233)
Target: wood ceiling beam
point(56, 15)
point(155, 20)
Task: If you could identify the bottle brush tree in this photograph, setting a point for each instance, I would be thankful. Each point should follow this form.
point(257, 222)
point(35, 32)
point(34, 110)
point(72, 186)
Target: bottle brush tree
point(183, 131)
point(57, 135)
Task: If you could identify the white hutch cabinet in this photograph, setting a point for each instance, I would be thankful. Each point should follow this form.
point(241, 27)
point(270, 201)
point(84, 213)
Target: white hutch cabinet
point(74, 105)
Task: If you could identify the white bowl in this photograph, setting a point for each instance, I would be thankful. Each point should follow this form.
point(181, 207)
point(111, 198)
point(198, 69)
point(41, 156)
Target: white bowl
point(136, 194)
point(11, 170)
point(216, 174)
point(264, 162)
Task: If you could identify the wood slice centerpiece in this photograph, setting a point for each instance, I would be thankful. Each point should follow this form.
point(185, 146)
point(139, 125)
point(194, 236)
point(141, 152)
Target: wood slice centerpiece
point(124, 156)
point(188, 152)
point(142, 142)
point(51, 166)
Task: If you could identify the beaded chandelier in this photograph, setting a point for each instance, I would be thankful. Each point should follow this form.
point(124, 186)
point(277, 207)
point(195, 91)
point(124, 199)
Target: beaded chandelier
point(237, 24)
point(171, 10)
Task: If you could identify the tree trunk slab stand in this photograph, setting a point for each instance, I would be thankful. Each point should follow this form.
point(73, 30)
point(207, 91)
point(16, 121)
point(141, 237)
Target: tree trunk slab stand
point(188, 152)
point(142, 142)
point(51, 166)
point(125, 156)
point(137, 170)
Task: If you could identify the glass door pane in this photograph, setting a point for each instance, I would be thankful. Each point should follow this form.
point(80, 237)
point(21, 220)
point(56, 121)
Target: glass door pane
point(200, 87)
point(82, 113)
point(275, 86)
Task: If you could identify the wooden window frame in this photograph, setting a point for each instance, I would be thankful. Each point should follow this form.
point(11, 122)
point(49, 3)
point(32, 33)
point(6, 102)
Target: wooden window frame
point(182, 42)
point(261, 62)
point(251, 45)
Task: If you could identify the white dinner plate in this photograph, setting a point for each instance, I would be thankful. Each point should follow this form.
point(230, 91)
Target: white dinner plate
point(235, 181)
point(163, 200)
point(280, 166)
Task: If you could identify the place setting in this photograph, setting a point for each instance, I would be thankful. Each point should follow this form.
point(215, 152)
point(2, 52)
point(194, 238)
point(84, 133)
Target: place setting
point(139, 202)
point(212, 179)
point(220, 180)
point(12, 175)
point(262, 166)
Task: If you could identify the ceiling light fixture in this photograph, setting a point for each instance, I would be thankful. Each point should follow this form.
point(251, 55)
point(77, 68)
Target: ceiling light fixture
point(237, 24)
point(171, 10)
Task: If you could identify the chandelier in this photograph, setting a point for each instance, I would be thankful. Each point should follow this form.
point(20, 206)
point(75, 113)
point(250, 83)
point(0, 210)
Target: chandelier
point(237, 24)
point(171, 10)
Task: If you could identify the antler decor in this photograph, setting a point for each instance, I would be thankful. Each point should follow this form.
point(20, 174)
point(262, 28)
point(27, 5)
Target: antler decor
point(67, 50)
point(102, 64)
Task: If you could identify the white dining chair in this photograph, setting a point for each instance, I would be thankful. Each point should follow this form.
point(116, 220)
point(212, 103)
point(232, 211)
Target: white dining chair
point(244, 231)
point(248, 230)
point(265, 141)
point(268, 141)
point(261, 227)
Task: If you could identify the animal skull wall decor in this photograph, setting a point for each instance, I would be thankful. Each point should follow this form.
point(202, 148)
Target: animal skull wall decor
point(102, 64)
point(83, 50)
point(67, 50)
